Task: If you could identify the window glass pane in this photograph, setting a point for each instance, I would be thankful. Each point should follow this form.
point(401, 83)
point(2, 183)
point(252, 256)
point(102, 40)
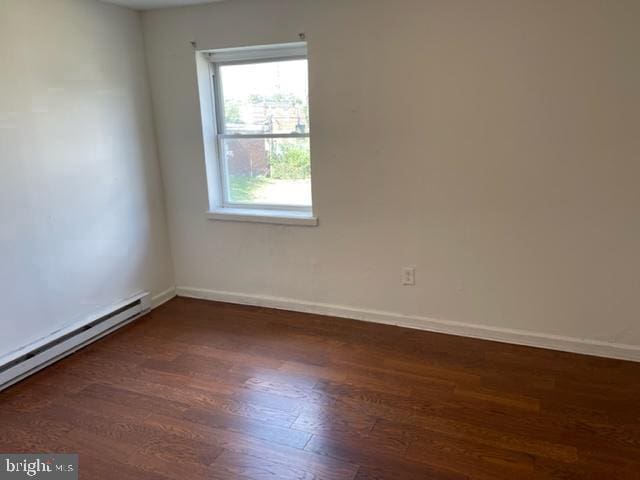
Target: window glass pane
point(270, 97)
point(274, 171)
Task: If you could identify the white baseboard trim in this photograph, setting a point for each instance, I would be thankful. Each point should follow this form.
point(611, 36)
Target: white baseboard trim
point(163, 297)
point(507, 335)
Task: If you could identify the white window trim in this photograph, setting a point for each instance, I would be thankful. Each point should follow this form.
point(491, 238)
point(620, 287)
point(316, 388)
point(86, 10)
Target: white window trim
point(255, 215)
point(210, 100)
point(260, 52)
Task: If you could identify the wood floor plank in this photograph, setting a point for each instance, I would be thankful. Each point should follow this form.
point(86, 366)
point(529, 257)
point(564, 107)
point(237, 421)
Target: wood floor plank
point(207, 390)
point(264, 431)
point(255, 467)
point(379, 457)
point(254, 446)
point(473, 459)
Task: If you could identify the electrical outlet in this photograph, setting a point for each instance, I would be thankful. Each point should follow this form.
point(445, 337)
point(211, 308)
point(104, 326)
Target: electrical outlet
point(408, 276)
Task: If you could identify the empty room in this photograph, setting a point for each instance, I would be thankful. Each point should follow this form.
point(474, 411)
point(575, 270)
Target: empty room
point(320, 239)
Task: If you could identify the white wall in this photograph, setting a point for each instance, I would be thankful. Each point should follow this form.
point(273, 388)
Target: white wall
point(82, 222)
point(493, 144)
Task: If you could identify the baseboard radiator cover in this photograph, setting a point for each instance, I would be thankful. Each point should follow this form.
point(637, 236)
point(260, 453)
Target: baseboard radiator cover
point(20, 364)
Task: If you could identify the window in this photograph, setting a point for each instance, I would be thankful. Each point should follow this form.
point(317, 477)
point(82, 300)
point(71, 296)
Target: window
point(261, 109)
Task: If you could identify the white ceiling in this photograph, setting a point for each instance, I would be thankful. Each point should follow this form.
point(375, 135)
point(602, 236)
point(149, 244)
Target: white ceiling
point(149, 4)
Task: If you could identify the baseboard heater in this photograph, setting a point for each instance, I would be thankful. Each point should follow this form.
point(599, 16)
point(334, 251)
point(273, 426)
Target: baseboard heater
point(32, 358)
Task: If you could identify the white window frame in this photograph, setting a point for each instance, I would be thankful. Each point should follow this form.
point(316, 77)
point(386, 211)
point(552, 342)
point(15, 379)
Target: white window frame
point(222, 208)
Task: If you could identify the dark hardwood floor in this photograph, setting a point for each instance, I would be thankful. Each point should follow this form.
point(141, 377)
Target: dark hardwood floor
point(202, 390)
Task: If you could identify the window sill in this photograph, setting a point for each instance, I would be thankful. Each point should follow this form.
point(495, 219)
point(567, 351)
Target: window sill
point(278, 217)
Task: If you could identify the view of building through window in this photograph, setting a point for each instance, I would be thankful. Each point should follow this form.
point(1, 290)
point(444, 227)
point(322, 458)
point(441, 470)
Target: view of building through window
point(265, 132)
